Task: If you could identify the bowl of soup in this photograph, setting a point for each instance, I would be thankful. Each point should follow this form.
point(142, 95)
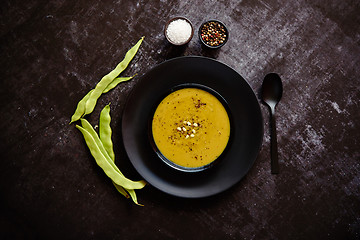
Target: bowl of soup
point(190, 128)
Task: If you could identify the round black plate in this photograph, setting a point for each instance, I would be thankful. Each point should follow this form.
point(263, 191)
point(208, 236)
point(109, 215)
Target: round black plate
point(247, 126)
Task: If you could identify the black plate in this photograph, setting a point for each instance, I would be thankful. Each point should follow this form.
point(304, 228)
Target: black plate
point(247, 126)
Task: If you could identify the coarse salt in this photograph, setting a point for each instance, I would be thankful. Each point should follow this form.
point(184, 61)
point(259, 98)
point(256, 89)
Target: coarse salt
point(179, 31)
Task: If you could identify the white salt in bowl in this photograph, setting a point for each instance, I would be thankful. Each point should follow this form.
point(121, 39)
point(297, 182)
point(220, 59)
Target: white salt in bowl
point(179, 31)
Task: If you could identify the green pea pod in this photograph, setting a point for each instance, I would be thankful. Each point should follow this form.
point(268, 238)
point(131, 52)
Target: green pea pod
point(105, 137)
point(121, 190)
point(107, 165)
point(133, 196)
point(107, 79)
point(116, 81)
point(80, 109)
point(105, 85)
point(105, 131)
point(87, 126)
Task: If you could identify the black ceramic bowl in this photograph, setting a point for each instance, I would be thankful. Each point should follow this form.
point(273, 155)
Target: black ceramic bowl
point(169, 162)
point(218, 40)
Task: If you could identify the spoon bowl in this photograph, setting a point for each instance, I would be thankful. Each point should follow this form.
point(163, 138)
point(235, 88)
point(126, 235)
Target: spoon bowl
point(271, 93)
point(272, 89)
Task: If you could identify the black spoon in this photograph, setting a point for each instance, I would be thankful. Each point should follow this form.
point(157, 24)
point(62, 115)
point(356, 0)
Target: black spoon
point(271, 94)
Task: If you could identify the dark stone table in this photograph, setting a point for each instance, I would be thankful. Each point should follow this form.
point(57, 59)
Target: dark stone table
point(53, 52)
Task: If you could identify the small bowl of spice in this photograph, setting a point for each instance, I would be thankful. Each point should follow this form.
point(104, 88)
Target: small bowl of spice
point(213, 34)
point(179, 31)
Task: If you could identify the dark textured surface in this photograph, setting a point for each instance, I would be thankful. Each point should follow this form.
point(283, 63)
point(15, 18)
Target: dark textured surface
point(53, 52)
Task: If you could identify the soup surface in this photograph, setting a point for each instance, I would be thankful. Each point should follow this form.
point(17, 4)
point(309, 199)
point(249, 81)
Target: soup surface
point(191, 127)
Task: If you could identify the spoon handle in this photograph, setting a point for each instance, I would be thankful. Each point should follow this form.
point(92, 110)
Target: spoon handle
point(273, 143)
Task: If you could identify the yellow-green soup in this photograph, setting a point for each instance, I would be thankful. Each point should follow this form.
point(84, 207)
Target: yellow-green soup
point(191, 127)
